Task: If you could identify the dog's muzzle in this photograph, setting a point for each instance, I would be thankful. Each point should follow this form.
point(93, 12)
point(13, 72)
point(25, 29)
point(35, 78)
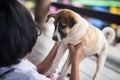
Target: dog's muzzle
point(59, 37)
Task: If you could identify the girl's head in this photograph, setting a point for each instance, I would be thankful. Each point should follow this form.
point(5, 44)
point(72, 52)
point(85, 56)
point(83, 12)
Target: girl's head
point(18, 32)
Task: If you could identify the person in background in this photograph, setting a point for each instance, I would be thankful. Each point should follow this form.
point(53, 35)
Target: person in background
point(18, 34)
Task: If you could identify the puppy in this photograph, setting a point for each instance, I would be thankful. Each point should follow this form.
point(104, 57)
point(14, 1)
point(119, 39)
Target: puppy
point(71, 28)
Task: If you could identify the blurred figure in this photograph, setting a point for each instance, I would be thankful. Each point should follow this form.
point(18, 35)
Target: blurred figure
point(44, 42)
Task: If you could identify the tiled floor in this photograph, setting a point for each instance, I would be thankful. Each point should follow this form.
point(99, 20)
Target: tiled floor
point(87, 69)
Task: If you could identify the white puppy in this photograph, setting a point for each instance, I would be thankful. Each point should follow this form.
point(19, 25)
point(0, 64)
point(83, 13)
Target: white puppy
point(70, 27)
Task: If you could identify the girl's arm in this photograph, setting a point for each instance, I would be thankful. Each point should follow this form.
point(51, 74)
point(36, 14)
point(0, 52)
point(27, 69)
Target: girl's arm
point(47, 62)
point(76, 54)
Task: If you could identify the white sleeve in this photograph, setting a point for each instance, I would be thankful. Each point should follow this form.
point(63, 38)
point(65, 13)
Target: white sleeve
point(38, 77)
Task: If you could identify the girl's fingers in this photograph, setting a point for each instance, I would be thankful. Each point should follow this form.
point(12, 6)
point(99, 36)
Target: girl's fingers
point(80, 46)
point(71, 47)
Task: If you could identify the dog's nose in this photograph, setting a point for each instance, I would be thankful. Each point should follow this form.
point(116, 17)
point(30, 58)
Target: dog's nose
point(55, 38)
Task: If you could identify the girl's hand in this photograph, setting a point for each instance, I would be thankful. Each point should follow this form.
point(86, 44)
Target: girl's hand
point(76, 52)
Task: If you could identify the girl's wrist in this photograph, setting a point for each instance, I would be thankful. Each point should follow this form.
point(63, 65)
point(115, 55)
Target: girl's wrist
point(75, 62)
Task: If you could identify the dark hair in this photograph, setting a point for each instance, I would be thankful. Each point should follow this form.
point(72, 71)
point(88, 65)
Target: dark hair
point(18, 32)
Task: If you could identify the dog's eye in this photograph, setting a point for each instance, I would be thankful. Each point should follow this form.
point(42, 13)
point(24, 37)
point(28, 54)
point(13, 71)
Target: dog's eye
point(63, 25)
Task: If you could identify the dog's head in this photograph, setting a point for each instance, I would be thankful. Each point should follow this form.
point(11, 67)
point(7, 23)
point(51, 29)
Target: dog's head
point(64, 22)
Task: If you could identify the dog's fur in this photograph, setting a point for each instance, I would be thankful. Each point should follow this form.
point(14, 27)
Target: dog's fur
point(70, 27)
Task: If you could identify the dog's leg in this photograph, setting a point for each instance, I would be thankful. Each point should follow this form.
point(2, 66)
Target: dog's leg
point(65, 69)
point(100, 63)
point(56, 61)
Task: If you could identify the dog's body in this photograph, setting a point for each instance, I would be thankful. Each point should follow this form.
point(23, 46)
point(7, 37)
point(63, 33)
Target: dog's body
point(72, 28)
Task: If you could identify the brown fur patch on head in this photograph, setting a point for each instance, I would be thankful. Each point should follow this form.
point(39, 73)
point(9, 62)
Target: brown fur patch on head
point(65, 16)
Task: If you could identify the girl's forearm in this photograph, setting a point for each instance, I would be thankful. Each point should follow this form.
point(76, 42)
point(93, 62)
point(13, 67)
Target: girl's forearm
point(75, 71)
point(47, 62)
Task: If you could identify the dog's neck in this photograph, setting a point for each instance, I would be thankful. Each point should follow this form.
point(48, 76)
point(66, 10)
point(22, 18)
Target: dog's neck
point(77, 32)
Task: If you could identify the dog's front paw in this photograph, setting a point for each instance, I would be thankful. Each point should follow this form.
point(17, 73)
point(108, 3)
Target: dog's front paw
point(49, 73)
point(60, 78)
point(54, 76)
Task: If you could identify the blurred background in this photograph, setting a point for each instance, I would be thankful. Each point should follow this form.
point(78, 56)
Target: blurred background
point(108, 6)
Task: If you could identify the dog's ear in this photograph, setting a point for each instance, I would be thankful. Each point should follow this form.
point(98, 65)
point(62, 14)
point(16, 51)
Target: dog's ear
point(71, 22)
point(50, 15)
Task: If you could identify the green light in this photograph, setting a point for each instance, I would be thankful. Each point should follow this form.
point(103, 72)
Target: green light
point(106, 3)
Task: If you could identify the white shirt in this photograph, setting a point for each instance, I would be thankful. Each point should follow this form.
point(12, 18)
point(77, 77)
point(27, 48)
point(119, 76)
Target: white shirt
point(24, 70)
